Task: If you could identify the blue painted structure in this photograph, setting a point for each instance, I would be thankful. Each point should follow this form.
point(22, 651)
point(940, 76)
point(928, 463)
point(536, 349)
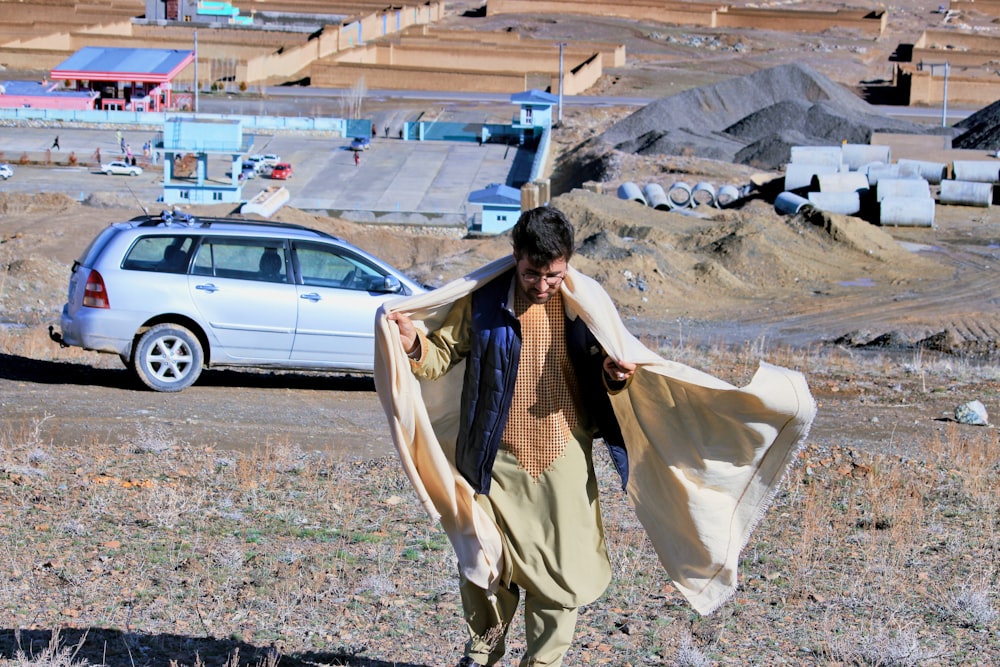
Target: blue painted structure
point(182, 136)
point(501, 208)
point(536, 108)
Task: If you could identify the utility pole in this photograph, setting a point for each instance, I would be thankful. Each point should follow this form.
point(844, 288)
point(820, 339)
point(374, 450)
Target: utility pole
point(944, 98)
point(196, 70)
point(561, 45)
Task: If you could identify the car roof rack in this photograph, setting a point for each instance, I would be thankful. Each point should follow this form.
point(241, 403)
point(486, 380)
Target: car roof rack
point(181, 219)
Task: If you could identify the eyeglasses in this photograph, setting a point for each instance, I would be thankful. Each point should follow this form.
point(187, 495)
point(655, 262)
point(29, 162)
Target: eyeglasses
point(552, 280)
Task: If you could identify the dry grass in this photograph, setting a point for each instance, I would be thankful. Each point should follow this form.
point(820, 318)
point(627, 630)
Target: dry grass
point(155, 552)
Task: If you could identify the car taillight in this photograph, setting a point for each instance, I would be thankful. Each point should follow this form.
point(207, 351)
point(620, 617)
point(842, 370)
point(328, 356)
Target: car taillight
point(94, 294)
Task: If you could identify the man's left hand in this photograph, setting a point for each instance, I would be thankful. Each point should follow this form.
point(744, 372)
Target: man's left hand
point(618, 371)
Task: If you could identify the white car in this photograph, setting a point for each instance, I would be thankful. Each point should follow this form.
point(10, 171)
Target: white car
point(6, 171)
point(120, 168)
point(262, 160)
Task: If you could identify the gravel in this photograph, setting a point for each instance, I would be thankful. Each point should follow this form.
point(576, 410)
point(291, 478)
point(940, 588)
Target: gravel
point(754, 119)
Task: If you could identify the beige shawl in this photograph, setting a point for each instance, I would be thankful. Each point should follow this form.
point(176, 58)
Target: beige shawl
point(705, 457)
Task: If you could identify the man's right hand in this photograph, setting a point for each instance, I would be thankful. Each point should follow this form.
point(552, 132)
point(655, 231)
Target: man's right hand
point(407, 332)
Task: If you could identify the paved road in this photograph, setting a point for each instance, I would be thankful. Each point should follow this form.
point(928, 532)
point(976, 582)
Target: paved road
point(393, 180)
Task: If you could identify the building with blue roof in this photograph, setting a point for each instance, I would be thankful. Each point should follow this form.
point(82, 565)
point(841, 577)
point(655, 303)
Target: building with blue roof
point(127, 79)
point(501, 208)
point(44, 95)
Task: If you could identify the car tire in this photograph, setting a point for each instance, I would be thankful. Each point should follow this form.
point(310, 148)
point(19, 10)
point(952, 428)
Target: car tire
point(168, 357)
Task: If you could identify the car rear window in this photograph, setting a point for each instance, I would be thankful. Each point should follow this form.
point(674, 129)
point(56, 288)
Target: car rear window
point(163, 254)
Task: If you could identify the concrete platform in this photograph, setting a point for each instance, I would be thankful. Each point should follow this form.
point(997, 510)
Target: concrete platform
point(394, 181)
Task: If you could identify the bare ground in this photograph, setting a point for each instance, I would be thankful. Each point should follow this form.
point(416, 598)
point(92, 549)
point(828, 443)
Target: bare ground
point(284, 550)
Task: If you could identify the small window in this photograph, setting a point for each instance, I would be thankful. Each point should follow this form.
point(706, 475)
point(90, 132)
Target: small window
point(163, 254)
point(217, 196)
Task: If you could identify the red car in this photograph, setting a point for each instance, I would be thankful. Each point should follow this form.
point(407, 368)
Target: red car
point(281, 171)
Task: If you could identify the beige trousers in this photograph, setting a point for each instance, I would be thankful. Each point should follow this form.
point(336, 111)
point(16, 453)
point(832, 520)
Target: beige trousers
point(548, 628)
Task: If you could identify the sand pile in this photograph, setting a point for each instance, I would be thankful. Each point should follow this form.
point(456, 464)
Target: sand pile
point(754, 120)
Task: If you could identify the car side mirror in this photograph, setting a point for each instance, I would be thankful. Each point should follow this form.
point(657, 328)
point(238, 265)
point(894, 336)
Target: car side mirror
point(390, 285)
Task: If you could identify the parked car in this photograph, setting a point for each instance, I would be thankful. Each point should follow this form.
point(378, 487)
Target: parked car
point(171, 295)
point(281, 171)
point(6, 171)
point(361, 143)
point(120, 168)
point(261, 160)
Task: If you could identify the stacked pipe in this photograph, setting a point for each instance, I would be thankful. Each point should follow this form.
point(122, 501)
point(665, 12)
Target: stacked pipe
point(680, 195)
point(860, 179)
point(972, 184)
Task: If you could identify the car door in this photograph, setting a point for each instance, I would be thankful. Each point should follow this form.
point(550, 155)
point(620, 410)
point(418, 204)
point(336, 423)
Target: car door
point(338, 295)
point(242, 291)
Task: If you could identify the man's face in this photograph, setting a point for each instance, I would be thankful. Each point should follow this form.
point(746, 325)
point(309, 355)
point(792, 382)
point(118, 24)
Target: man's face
point(536, 283)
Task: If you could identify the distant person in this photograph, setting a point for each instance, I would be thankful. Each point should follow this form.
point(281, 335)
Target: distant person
point(400, 133)
point(357, 158)
point(374, 133)
point(55, 142)
point(386, 131)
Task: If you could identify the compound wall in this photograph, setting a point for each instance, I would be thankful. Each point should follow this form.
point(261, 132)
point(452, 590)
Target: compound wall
point(971, 77)
point(871, 23)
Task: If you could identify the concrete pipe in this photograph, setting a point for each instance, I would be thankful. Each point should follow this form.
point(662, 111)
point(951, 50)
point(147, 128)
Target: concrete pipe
point(829, 155)
point(679, 194)
point(845, 203)
point(848, 181)
point(631, 192)
point(917, 188)
point(656, 197)
point(703, 193)
point(933, 172)
point(905, 211)
point(876, 171)
point(855, 156)
point(965, 193)
point(789, 202)
point(800, 175)
point(728, 195)
point(977, 171)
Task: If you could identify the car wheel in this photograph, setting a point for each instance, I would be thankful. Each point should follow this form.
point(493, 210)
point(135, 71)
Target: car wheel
point(168, 357)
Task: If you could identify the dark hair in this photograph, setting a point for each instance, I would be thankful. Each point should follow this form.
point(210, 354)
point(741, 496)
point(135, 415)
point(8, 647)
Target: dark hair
point(543, 235)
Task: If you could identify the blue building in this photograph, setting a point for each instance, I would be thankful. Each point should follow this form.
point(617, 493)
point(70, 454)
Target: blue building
point(501, 208)
point(183, 137)
point(536, 108)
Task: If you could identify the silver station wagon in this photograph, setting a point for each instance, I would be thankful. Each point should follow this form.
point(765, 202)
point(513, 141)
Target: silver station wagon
point(173, 294)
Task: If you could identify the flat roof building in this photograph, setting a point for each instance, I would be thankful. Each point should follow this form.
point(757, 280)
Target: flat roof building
point(125, 79)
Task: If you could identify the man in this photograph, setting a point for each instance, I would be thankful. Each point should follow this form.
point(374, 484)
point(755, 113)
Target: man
point(536, 386)
point(500, 452)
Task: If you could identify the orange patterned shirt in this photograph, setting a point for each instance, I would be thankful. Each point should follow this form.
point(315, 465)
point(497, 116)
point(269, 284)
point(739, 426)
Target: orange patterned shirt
point(543, 413)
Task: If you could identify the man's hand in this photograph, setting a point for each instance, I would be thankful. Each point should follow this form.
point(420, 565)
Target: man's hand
point(407, 332)
point(618, 371)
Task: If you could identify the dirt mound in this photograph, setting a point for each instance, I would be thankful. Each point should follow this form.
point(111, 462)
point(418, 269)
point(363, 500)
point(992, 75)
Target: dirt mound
point(656, 261)
point(723, 120)
point(14, 203)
